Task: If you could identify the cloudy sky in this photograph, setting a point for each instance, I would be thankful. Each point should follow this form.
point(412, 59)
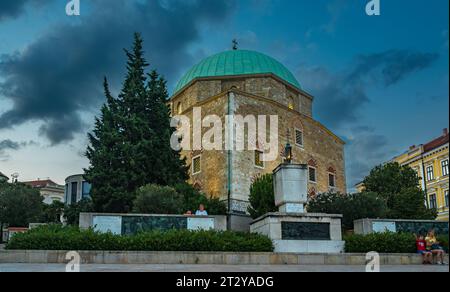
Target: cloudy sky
point(381, 83)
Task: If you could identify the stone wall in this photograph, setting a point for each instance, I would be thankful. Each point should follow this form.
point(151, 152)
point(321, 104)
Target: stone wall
point(268, 86)
point(202, 258)
point(259, 96)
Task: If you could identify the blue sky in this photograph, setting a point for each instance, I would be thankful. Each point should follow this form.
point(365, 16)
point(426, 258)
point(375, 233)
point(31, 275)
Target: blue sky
point(380, 82)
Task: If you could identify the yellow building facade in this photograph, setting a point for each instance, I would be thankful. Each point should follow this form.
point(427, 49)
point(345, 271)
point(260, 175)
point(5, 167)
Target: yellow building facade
point(431, 162)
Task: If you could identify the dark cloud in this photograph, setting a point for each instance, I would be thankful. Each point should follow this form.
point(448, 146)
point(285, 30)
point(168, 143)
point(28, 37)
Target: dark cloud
point(365, 149)
point(340, 96)
point(59, 76)
point(10, 9)
point(9, 145)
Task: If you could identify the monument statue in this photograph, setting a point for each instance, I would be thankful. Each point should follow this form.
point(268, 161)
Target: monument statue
point(292, 229)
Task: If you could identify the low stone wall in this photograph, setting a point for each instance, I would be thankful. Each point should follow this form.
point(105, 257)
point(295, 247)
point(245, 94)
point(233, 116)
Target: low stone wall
point(202, 258)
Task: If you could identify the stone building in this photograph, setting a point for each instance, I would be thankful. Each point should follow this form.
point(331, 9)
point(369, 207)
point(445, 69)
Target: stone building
point(240, 82)
point(51, 191)
point(76, 189)
point(431, 161)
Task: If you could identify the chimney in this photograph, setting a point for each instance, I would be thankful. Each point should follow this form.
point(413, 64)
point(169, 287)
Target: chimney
point(445, 132)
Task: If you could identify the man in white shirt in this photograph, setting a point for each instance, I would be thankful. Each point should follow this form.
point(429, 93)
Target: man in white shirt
point(201, 211)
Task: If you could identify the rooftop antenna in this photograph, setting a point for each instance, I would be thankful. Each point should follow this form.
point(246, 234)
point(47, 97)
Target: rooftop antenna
point(235, 44)
point(14, 176)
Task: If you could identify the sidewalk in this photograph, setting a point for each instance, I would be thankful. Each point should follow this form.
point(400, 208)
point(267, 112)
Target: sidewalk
point(215, 268)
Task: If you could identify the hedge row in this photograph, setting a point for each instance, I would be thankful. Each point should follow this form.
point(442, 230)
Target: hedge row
point(72, 238)
point(385, 243)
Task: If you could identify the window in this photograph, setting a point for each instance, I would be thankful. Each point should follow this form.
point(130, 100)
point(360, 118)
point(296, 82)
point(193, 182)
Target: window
point(312, 174)
point(66, 194)
point(73, 191)
point(446, 198)
point(444, 167)
point(86, 190)
point(299, 137)
point(179, 108)
point(430, 173)
point(433, 201)
point(258, 159)
point(332, 180)
point(196, 165)
point(291, 103)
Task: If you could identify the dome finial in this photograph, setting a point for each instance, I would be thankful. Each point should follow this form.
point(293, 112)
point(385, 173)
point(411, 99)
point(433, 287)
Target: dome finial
point(235, 44)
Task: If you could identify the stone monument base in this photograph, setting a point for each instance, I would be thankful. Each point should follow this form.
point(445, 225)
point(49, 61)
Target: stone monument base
point(302, 233)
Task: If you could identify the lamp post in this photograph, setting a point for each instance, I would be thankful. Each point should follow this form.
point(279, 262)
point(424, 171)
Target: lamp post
point(288, 153)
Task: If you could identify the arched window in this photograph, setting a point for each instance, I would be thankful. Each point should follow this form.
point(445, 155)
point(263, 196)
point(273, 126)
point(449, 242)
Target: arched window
point(179, 108)
point(291, 103)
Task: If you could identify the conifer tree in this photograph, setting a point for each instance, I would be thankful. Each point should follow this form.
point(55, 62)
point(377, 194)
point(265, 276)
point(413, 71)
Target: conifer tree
point(130, 145)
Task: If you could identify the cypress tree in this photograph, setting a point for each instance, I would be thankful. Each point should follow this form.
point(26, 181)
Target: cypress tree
point(130, 145)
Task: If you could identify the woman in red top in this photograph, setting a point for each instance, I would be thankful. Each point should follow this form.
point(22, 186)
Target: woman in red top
point(422, 249)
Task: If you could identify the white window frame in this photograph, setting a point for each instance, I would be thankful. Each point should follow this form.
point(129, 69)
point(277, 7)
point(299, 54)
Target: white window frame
point(435, 200)
point(315, 174)
point(303, 137)
point(442, 167)
point(254, 159)
point(428, 173)
point(193, 164)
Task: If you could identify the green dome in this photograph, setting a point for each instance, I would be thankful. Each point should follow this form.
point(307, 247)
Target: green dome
point(237, 62)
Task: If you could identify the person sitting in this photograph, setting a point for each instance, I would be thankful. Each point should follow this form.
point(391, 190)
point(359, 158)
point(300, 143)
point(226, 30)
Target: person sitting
point(422, 250)
point(434, 247)
point(201, 211)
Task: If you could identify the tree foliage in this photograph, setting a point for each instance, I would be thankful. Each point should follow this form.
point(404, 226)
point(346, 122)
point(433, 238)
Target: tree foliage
point(20, 205)
point(351, 206)
point(409, 204)
point(130, 145)
point(399, 186)
point(52, 213)
point(154, 199)
point(262, 197)
point(390, 179)
point(72, 211)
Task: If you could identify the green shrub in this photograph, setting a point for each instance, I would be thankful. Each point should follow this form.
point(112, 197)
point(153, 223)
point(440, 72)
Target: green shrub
point(262, 198)
point(72, 211)
point(54, 237)
point(192, 199)
point(154, 199)
point(381, 242)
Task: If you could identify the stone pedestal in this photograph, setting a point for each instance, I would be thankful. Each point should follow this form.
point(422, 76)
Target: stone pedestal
point(291, 187)
point(302, 233)
point(292, 229)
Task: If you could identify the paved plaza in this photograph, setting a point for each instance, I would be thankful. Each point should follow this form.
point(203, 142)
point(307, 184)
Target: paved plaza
point(213, 268)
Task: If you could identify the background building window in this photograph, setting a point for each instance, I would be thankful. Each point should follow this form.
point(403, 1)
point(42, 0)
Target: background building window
point(433, 201)
point(86, 190)
point(332, 180)
point(196, 165)
point(444, 167)
point(299, 137)
point(73, 191)
point(430, 173)
point(312, 174)
point(258, 159)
